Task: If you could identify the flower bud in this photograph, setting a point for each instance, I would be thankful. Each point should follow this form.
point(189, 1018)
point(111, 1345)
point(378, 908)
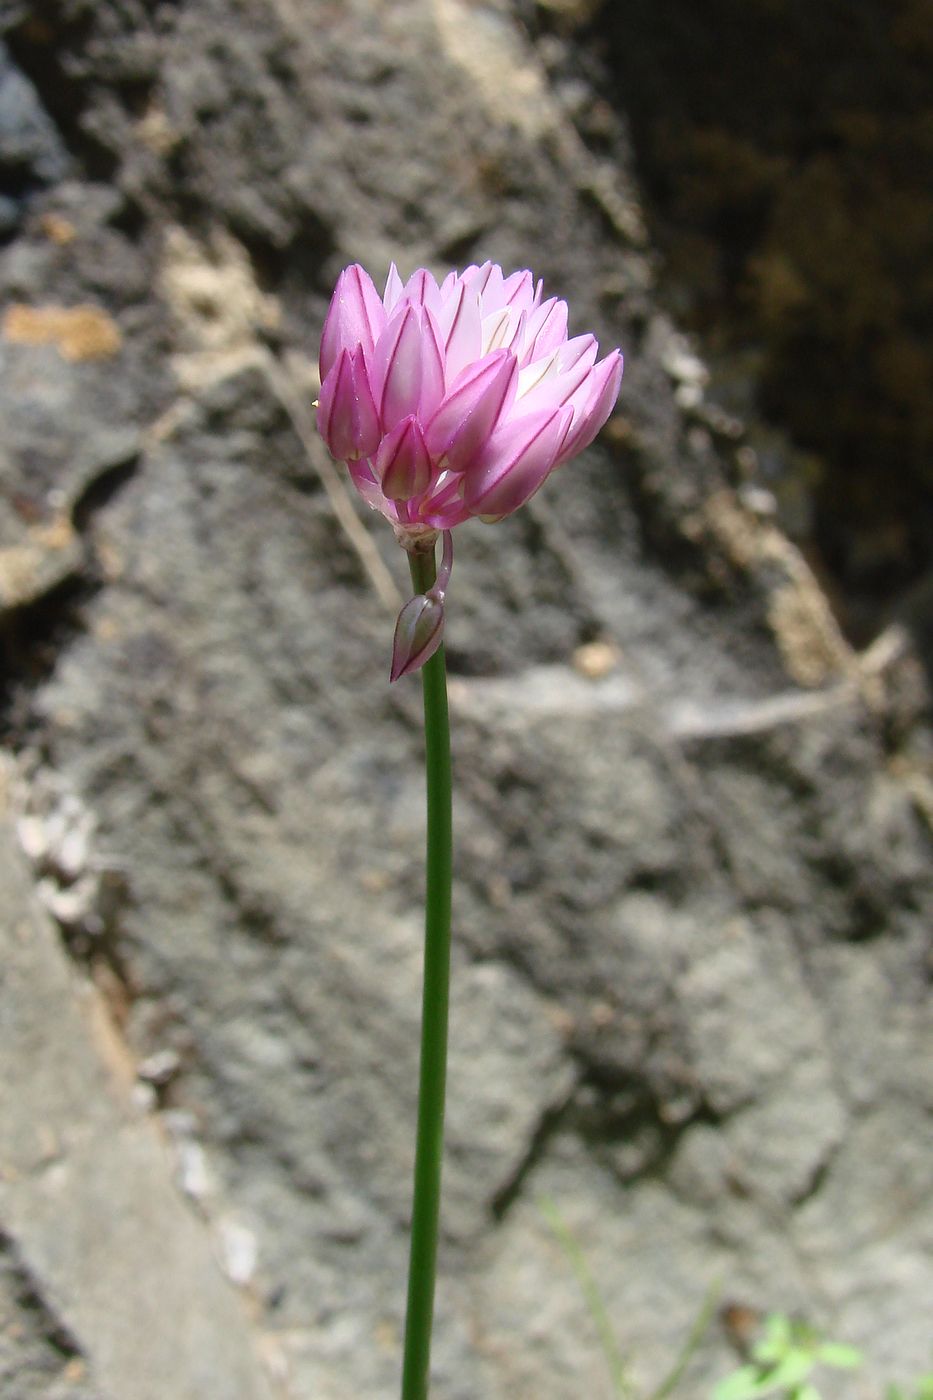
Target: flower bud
point(356, 317)
point(346, 415)
point(418, 634)
point(408, 367)
point(402, 462)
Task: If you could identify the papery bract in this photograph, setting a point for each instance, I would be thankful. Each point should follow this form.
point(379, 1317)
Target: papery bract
point(418, 634)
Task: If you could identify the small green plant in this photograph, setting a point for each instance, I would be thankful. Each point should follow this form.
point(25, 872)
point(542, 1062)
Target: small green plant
point(622, 1386)
point(924, 1391)
point(783, 1363)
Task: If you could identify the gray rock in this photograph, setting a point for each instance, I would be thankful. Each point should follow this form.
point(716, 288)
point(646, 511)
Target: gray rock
point(31, 150)
point(693, 889)
point(108, 1277)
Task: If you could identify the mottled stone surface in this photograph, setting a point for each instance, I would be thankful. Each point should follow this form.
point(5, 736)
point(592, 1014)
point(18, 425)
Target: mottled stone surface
point(110, 1287)
point(693, 891)
point(790, 200)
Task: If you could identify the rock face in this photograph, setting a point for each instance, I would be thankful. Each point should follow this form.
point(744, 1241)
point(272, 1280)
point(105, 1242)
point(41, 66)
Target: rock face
point(694, 886)
point(792, 196)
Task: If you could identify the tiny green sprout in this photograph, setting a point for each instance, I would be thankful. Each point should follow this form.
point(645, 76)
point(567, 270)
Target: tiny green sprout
point(783, 1362)
point(622, 1387)
point(923, 1391)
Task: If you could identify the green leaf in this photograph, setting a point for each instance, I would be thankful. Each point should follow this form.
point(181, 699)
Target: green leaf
point(683, 1358)
point(792, 1370)
point(807, 1392)
point(779, 1328)
point(841, 1357)
point(744, 1384)
point(621, 1385)
point(778, 1339)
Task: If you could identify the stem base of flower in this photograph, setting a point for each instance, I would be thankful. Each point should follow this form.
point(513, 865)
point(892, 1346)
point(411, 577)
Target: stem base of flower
point(434, 1015)
point(416, 539)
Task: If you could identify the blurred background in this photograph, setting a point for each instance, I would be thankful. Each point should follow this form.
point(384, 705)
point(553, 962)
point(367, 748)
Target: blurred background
point(690, 689)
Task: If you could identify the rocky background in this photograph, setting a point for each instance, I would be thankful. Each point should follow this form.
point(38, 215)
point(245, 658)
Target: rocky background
point(695, 888)
point(784, 148)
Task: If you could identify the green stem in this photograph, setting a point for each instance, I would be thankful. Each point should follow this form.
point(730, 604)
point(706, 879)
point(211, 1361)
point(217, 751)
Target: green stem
point(434, 1014)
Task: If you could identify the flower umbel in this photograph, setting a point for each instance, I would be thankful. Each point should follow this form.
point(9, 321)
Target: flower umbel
point(455, 400)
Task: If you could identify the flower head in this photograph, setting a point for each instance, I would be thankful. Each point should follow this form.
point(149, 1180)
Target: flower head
point(456, 400)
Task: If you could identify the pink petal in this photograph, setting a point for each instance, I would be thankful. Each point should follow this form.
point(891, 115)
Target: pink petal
point(490, 286)
point(545, 330)
point(435, 377)
point(503, 329)
point(477, 278)
point(402, 462)
point(471, 410)
point(518, 290)
point(537, 373)
point(597, 400)
point(447, 489)
point(346, 414)
point(362, 477)
point(393, 290)
point(572, 352)
point(461, 330)
point(355, 317)
point(555, 389)
point(408, 366)
point(515, 462)
point(422, 290)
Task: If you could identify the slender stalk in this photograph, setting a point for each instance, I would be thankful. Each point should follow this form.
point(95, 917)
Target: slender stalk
point(695, 1336)
point(622, 1387)
point(434, 1013)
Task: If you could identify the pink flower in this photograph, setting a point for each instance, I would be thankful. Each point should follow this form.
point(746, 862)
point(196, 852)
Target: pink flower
point(456, 400)
point(453, 401)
